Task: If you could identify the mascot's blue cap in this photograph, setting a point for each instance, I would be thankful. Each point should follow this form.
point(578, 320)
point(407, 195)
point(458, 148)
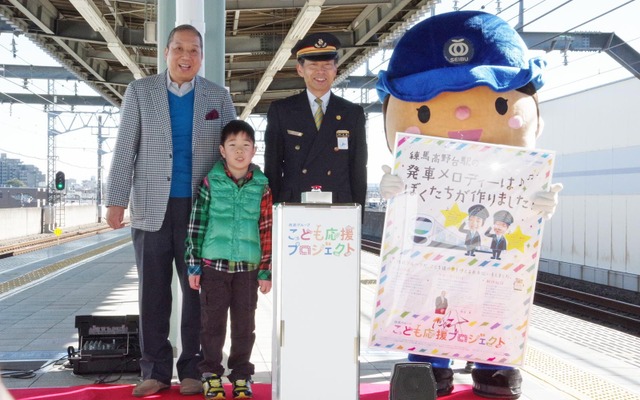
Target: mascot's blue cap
point(458, 51)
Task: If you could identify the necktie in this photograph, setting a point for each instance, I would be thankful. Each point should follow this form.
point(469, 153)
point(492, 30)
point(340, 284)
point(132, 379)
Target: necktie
point(318, 114)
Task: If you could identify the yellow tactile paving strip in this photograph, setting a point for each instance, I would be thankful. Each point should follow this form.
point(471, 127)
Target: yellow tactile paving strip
point(46, 270)
point(572, 380)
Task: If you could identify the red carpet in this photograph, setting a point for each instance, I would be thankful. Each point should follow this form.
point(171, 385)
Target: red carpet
point(261, 391)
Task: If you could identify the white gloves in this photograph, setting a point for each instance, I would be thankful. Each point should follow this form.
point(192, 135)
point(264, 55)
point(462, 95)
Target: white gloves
point(545, 202)
point(390, 185)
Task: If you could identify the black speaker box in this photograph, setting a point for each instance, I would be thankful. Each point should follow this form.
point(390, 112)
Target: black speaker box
point(106, 344)
point(412, 381)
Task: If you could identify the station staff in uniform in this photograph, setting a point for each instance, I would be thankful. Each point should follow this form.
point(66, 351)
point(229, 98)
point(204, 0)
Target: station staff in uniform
point(316, 138)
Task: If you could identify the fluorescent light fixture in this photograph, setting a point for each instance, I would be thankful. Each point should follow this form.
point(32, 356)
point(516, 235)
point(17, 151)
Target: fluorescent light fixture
point(121, 54)
point(388, 41)
point(279, 60)
point(91, 14)
point(304, 21)
point(125, 59)
point(264, 84)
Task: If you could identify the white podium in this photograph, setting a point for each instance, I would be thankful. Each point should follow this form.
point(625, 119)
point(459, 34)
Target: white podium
point(316, 294)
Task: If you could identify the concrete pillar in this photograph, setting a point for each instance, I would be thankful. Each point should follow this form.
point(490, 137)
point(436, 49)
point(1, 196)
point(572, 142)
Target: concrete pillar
point(215, 19)
point(166, 12)
point(172, 13)
point(192, 12)
point(166, 22)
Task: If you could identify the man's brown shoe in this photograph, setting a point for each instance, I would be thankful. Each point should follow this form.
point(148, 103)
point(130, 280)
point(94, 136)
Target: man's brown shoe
point(149, 387)
point(190, 386)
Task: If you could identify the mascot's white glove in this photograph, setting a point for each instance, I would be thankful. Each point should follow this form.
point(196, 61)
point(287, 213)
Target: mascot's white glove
point(545, 202)
point(390, 185)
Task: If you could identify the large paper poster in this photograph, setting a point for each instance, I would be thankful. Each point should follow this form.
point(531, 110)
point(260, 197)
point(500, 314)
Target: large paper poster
point(460, 250)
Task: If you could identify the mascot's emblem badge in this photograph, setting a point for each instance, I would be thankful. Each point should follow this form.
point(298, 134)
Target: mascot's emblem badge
point(458, 51)
point(320, 44)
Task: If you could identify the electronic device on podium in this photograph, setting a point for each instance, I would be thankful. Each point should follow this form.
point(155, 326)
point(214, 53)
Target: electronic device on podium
point(106, 344)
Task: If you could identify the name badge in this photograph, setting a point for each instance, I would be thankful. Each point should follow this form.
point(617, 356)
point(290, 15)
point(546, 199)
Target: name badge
point(294, 133)
point(343, 139)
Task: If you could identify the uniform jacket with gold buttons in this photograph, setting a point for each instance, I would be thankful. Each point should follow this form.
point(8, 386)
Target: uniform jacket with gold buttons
point(299, 156)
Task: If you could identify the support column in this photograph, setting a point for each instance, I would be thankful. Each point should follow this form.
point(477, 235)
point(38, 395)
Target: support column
point(166, 22)
point(192, 12)
point(215, 20)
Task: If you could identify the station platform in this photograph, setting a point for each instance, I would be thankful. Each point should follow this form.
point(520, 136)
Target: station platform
point(42, 292)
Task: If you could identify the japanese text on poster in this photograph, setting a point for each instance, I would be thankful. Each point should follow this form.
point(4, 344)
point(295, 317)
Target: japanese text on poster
point(460, 250)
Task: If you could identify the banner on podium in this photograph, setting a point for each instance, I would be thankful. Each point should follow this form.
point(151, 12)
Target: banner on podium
point(460, 250)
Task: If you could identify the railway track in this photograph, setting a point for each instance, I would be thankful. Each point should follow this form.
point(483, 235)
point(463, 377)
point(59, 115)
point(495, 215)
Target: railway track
point(615, 314)
point(370, 246)
point(48, 240)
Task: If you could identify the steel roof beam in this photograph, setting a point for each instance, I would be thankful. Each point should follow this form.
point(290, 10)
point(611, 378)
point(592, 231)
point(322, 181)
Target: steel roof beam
point(246, 5)
point(35, 72)
point(41, 13)
point(49, 99)
point(610, 43)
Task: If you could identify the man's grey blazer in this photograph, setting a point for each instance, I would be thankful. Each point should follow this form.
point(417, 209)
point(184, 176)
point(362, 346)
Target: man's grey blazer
point(143, 155)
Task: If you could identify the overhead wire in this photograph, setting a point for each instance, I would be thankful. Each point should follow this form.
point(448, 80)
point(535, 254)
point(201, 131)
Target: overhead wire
point(546, 14)
point(45, 159)
point(464, 6)
point(585, 78)
point(526, 9)
point(482, 7)
point(548, 88)
point(564, 32)
point(595, 54)
point(60, 106)
point(583, 23)
point(47, 102)
point(511, 5)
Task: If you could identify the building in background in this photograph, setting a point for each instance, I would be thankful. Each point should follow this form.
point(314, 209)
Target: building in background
point(13, 168)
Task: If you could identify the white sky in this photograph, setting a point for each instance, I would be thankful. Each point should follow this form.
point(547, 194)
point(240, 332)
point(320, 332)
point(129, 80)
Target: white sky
point(24, 127)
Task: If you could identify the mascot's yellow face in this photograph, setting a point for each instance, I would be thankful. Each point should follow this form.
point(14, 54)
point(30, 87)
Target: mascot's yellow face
point(478, 114)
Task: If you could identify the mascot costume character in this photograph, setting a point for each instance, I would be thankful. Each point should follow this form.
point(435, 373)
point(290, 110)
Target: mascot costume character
point(465, 75)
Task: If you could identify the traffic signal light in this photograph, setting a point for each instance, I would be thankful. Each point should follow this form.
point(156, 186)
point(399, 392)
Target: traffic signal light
point(60, 180)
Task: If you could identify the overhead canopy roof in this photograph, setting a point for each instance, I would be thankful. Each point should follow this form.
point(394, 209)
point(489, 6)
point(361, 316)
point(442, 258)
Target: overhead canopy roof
point(108, 43)
point(108, 50)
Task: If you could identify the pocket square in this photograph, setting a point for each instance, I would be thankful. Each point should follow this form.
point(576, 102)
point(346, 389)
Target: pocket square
point(213, 114)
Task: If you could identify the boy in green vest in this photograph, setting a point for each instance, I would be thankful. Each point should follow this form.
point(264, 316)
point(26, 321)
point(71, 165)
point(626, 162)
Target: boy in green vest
point(228, 252)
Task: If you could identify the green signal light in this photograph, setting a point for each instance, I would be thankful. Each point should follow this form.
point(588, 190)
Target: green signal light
point(60, 180)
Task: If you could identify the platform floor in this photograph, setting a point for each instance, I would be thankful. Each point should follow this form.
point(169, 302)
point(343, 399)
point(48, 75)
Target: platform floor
point(42, 292)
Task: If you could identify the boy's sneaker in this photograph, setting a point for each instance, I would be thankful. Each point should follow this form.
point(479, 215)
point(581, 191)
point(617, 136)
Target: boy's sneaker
point(212, 387)
point(242, 389)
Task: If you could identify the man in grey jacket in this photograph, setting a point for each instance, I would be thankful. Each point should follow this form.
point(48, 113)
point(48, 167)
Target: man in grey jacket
point(168, 140)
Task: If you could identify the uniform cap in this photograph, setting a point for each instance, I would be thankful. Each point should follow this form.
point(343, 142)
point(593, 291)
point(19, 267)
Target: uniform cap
point(503, 216)
point(317, 47)
point(455, 52)
point(478, 211)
